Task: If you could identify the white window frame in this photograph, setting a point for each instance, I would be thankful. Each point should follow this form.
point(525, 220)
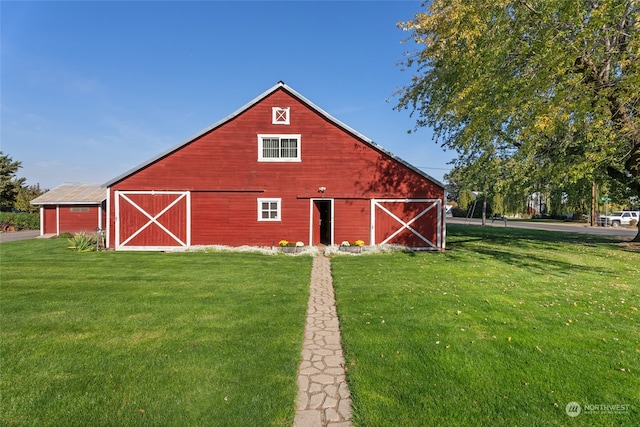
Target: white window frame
point(280, 115)
point(278, 202)
point(263, 136)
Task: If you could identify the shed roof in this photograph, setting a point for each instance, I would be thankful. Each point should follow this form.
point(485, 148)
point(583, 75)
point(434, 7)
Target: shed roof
point(279, 85)
point(72, 194)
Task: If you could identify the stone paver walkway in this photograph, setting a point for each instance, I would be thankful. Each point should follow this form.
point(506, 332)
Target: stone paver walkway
point(323, 395)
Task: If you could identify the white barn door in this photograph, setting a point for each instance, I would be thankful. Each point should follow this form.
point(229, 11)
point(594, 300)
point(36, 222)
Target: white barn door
point(152, 220)
point(415, 223)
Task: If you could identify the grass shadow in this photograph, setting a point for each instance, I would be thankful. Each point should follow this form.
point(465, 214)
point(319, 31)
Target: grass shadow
point(535, 250)
point(500, 235)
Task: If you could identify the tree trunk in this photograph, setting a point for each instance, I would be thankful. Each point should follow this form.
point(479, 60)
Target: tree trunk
point(484, 211)
point(484, 201)
point(637, 238)
point(592, 214)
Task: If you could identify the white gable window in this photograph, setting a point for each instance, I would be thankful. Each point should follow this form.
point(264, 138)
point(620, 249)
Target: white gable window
point(278, 148)
point(269, 209)
point(280, 115)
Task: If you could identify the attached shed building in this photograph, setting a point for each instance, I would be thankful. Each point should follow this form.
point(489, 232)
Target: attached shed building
point(278, 168)
point(72, 208)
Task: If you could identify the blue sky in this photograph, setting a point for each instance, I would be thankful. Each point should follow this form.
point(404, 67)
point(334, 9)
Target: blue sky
point(91, 89)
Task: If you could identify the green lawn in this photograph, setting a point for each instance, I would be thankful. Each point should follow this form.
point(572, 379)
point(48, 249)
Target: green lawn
point(162, 339)
point(505, 328)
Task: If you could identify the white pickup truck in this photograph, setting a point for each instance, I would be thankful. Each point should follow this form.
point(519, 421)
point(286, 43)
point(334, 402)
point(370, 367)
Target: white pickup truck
point(617, 219)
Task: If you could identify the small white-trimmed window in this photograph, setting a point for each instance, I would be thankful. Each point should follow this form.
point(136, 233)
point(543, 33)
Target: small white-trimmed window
point(278, 148)
point(269, 209)
point(280, 115)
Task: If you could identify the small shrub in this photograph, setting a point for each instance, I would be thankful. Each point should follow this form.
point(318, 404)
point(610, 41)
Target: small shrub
point(82, 242)
point(634, 222)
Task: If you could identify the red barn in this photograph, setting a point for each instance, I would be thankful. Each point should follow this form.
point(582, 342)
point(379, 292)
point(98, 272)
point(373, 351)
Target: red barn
point(278, 168)
point(72, 208)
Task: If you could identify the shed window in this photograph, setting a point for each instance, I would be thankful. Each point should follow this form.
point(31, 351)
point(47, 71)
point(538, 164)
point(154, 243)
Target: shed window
point(83, 209)
point(269, 209)
point(279, 148)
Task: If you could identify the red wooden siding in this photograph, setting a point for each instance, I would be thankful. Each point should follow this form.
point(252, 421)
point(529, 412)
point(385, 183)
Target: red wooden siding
point(232, 219)
point(72, 218)
point(221, 171)
point(352, 220)
point(72, 222)
point(226, 159)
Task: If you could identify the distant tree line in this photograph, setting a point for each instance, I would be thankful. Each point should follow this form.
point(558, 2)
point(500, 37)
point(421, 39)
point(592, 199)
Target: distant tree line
point(536, 194)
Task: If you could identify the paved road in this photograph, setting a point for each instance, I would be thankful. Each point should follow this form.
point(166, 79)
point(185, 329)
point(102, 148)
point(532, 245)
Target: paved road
point(621, 232)
point(19, 235)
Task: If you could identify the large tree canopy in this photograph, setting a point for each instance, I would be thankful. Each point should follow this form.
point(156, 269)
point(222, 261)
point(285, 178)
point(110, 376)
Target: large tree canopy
point(553, 84)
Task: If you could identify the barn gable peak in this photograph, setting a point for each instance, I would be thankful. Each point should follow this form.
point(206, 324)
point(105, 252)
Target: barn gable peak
point(281, 85)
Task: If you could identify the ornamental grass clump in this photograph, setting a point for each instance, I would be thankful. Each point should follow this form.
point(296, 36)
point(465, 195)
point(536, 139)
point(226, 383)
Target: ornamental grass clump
point(82, 242)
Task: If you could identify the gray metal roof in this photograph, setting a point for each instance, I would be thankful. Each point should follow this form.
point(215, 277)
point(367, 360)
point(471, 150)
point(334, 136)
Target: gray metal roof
point(249, 105)
point(72, 194)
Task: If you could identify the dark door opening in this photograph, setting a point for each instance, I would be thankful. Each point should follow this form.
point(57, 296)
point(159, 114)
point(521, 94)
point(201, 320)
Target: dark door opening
point(323, 209)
